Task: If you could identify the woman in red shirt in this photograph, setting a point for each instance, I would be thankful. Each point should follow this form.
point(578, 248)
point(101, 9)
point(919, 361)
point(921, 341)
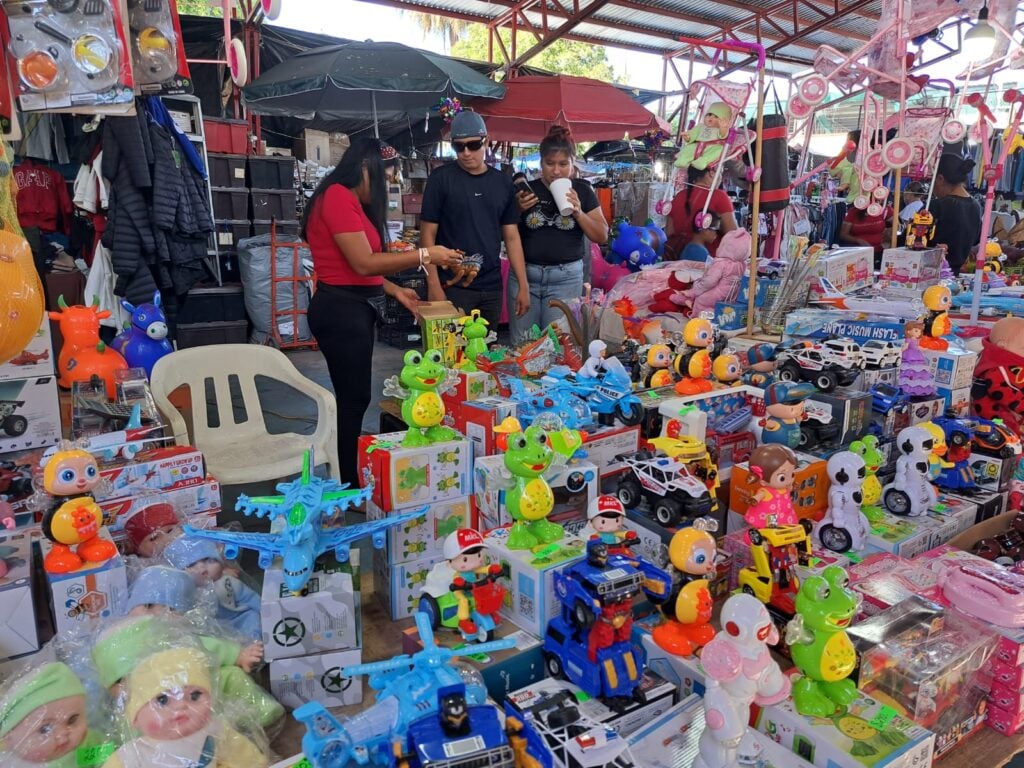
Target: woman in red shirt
point(345, 226)
point(689, 202)
point(861, 228)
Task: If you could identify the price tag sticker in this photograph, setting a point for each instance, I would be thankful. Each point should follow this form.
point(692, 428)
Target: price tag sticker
point(884, 717)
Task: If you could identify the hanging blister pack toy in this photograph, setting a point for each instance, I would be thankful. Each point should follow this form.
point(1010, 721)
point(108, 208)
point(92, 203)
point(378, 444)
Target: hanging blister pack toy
point(158, 55)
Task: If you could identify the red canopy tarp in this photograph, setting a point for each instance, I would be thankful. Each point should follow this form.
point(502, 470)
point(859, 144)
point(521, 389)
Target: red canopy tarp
point(591, 109)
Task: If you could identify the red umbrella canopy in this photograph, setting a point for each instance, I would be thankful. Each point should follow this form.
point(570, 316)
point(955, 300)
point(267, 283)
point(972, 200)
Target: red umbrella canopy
point(591, 109)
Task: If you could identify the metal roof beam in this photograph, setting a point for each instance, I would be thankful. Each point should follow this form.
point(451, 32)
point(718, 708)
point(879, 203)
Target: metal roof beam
point(551, 36)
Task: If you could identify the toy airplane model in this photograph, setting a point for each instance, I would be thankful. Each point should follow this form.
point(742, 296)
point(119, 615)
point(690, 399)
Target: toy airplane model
point(406, 688)
point(302, 508)
point(125, 443)
point(825, 293)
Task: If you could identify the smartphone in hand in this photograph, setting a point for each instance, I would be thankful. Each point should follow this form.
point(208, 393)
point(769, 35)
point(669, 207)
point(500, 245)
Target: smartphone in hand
point(522, 185)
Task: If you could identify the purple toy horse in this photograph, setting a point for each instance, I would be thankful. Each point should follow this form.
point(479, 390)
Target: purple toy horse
point(144, 341)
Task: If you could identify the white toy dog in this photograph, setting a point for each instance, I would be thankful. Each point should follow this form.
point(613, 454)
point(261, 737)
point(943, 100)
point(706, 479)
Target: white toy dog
point(740, 671)
point(910, 492)
point(844, 526)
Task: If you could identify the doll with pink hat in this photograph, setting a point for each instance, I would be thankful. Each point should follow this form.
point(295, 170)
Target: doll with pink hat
point(171, 711)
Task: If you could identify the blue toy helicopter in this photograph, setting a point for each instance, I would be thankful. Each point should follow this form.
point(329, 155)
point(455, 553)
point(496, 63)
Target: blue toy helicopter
point(302, 508)
point(407, 690)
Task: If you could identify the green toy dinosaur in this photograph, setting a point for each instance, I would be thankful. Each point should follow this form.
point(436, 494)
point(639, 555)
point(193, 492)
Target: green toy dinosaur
point(867, 449)
point(474, 331)
point(821, 649)
point(422, 378)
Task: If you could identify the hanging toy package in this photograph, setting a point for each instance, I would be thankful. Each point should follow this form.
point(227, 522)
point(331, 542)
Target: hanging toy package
point(158, 50)
point(68, 53)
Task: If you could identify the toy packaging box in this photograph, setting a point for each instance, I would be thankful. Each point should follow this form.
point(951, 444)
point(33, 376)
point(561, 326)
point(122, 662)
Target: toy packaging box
point(850, 409)
point(503, 671)
point(871, 377)
point(605, 443)
point(908, 536)
point(659, 695)
point(477, 419)
point(18, 633)
point(411, 477)
point(90, 593)
point(440, 331)
point(953, 368)
point(157, 469)
point(990, 503)
point(992, 474)
point(424, 537)
point(959, 509)
point(957, 401)
point(530, 580)
point(686, 673)
point(868, 735)
point(830, 323)
point(398, 585)
point(908, 272)
point(297, 681)
point(574, 486)
point(187, 500)
point(730, 316)
point(29, 413)
point(726, 409)
point(737, 546)
point(926, 409)
point(810, 488)
point(848, 269)
point(37, 359)
point(323, 618)
point(765, 291)
point(651, 423)
point(884, 579)
point(471, 385)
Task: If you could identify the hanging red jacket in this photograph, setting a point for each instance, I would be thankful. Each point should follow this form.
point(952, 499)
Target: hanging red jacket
point(43, 198)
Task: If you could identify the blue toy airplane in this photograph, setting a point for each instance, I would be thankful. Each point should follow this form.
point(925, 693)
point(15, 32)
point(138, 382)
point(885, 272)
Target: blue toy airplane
point(302, 508)
point(406, 688)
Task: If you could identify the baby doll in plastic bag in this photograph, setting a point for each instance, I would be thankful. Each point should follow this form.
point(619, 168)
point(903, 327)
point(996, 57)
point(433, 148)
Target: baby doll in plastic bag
point(165, 593)
point(238, 605)
point(43, 719)
point(152, 529)
point(170, 708)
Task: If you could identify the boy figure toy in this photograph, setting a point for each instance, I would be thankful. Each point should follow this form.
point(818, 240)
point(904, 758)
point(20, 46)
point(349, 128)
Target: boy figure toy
point(784, 411)
point(237, 604)
point(760, 360)
point(464, 551)
point(593, 366)
point(605, 518)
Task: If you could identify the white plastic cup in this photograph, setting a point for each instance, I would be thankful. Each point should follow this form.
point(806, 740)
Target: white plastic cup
point(560, 192)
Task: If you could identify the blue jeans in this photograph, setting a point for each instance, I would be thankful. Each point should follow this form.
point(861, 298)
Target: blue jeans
point(559, 281)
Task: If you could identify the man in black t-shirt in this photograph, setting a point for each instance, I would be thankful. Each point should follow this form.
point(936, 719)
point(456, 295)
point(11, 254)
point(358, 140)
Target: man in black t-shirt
point(470, 207)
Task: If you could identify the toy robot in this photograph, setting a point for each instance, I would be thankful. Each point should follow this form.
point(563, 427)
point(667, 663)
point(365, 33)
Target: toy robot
point(911, 493)
point(921, 230)
point(740, 671)
point(844, 526)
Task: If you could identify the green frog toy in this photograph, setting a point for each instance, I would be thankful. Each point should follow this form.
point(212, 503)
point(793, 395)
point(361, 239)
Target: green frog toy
point(422, 378)
point(529, 500)
point(821, 649)
point(474, 331)
point(867, 449)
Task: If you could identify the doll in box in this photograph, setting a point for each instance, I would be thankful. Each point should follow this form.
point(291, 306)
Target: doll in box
point(998, 391)
point(238, 605)
point(170, 705)
point(160, 591)
point(43, 719)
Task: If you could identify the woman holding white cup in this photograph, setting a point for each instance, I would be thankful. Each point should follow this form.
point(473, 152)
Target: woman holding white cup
point(558, 215)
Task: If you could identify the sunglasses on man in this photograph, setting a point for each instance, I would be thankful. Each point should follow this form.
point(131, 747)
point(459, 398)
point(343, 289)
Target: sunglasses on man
point(472, 146)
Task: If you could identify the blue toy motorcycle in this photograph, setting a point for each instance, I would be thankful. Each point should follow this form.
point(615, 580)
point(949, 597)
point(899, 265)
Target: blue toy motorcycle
point(610, 395)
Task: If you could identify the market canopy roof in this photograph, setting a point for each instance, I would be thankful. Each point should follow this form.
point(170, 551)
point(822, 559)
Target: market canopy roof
point(593, 110)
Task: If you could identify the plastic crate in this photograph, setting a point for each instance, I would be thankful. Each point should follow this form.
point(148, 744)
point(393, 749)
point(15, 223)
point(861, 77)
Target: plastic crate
point(230, 203)
point(226, 136)
point(273, 204)
point(230, 231)
point(204, 334)
point(216, 304)
point(287, 231)
point(227, 170)
point(271, 172)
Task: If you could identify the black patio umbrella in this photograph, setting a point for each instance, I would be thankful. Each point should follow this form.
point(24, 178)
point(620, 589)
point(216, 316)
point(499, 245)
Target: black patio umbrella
point(350, 86)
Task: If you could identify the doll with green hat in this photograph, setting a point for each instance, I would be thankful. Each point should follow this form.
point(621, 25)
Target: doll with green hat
point(159, 595)
point(43, 718)
point(705, 142)
point(170, 708)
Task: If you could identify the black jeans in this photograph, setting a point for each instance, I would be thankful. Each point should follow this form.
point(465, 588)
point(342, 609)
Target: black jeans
point(342, 321)
point(488, 302)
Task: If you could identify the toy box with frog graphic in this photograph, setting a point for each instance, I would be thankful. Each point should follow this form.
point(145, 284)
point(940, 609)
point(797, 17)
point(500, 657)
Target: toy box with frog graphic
point(410, 477)
point(424, 537)
point(868, 734)
point(398, 585)
point(529, 578)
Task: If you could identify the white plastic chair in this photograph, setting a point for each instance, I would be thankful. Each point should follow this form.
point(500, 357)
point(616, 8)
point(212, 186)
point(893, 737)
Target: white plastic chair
point(243, 451)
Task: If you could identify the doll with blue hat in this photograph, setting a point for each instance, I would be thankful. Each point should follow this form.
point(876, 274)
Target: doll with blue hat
point(43, 719)
point(760, 361)
point(160, 592)
point(237, 604)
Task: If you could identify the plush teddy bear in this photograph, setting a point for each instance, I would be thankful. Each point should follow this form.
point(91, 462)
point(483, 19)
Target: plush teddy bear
point(999, 375)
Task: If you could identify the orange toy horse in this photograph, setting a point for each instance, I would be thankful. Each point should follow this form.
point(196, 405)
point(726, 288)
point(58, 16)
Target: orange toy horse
point(82, 356)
